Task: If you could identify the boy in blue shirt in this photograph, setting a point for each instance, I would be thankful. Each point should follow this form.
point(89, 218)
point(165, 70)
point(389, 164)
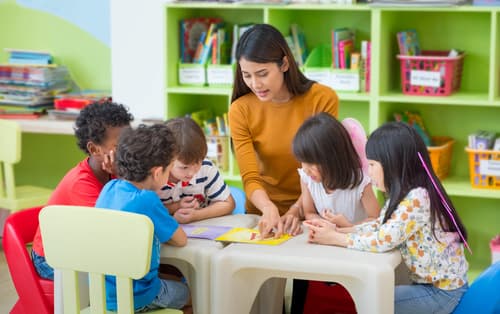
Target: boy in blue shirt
point(144, 159)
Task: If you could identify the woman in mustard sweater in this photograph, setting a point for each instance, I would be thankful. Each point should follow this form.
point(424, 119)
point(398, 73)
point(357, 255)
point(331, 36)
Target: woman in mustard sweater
point(271, 99)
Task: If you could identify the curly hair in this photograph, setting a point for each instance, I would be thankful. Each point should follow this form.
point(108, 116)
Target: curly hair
point(139, 150)
point(96, 118)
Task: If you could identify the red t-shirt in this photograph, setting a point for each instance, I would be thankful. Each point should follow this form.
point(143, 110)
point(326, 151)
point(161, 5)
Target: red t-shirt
point(78, 187)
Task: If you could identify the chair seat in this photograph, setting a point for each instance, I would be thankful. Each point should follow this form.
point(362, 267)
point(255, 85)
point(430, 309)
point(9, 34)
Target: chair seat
point(26, 196)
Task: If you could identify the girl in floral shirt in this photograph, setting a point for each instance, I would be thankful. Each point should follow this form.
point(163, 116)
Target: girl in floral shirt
point(418, 218)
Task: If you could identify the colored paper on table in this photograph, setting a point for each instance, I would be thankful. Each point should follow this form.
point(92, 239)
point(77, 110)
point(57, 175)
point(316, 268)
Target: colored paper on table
point(204, 232)
point(247, 235)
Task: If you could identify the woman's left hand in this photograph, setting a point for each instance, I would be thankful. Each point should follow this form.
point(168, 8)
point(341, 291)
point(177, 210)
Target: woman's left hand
point(291, 224)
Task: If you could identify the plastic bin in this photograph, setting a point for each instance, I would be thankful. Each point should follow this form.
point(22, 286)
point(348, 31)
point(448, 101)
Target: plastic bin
point(440, 155)
point(484, 168)
point(431, 74)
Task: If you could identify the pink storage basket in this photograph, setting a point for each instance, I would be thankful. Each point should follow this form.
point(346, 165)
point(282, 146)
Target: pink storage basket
point(431, 74)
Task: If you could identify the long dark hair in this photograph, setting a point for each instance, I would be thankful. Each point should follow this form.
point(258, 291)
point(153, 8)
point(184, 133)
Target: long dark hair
point(395, 146)
point(322, 140)
point(263, 43)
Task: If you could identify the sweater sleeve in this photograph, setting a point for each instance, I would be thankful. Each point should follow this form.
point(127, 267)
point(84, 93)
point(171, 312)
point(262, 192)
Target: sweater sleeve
point(244, 149)
point(410, 215)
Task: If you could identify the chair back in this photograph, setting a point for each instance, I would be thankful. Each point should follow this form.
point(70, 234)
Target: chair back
point(10, 154)
point(239, 200)
point(14, 197)
point(100, 242)
point(483, 296)
point(36, 295)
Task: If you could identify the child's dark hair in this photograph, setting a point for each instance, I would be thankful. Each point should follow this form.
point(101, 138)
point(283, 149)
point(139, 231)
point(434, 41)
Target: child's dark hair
point(322, 140)
point(96, 118)
point(263, 43)
point(141, 149)
point(395, 146)
point(190, 139)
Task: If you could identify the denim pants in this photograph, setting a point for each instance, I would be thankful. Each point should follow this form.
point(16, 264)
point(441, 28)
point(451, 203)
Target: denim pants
point(425, 298)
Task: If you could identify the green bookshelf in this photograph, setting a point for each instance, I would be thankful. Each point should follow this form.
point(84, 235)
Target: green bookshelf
point(476, 30)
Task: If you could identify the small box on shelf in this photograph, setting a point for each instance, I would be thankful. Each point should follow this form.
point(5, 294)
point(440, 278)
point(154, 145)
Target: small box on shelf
point(484, 168)
point(318, 68)
point(434, 73)
point(220, 74)
point(440, 154)
point(193, 74)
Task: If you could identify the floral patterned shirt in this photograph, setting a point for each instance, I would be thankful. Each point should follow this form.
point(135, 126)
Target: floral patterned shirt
point(441, 263)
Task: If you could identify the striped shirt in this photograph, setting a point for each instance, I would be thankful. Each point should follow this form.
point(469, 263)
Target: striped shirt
point(206, 186)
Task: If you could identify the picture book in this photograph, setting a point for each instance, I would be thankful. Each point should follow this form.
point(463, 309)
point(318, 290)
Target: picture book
point(204, 232)
point(408, 42)
point(338, 35)
point(247, 235)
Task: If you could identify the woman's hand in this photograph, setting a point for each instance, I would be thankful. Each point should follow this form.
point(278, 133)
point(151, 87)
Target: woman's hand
point(324, 232)
point(270, 221)
point(291, 224)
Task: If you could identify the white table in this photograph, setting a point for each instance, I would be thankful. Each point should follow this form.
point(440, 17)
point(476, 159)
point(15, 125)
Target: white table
point(239, 270)
point(194, 259)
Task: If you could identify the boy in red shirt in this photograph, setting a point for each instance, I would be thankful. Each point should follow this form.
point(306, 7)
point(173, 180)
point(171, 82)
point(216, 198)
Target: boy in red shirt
point(97, 129)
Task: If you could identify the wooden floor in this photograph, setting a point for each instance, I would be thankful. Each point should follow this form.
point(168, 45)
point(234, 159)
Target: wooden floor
point(8, 295)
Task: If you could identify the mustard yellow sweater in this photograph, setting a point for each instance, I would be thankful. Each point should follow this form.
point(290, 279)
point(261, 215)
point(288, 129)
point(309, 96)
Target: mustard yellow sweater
point(262, 134)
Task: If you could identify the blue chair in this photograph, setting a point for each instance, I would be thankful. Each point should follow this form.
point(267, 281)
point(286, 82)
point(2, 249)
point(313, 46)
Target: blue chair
point(483, 295)
point(239, 199)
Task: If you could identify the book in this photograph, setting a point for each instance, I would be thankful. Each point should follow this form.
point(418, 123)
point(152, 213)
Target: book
point(248, 235)
point(204, 232)
point(190, 33)
point(408, 43)
point(338, 35)
point(345, 47)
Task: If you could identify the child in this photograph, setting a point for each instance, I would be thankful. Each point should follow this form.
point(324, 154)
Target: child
point(418, 219)
point(195, 189)
point(333, 184)
point(144, 158)
point(96, 129)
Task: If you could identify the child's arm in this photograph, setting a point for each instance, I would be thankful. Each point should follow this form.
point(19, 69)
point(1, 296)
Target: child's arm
point(370, 203)
point(179, 238)
point(215, 209)
point(308, 203)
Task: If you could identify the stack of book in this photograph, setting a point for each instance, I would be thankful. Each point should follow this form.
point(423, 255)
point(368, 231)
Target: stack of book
point(67, 106)
point(26, 91)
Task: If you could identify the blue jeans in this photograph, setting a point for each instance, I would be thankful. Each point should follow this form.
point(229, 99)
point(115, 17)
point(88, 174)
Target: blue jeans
point(425, 298)
point(42, 268)
point(172, 294)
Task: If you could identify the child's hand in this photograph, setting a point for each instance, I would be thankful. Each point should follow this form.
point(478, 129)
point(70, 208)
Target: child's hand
point(189, 202)
point(337, 219)
point(321, 231)
point(185, 215)
point(108, 164)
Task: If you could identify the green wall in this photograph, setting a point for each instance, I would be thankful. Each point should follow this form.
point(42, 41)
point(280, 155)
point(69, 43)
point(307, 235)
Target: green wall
point(46, 158)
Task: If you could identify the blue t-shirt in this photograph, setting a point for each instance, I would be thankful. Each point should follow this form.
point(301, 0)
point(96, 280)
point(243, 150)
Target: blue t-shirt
point(122, 195)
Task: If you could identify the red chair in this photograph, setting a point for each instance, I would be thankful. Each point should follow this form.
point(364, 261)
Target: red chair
point(36, 295)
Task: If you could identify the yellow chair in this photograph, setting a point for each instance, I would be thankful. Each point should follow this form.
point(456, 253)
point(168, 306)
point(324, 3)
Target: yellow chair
point(14, 197)
point(100, 242)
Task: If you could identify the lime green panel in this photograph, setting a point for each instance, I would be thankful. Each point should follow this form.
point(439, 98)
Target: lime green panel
point(317, 25)
point(439, 31)
point(87, 58)
point(455, 121)
point(182, 104)
point(481, 221)
point(175, 15)
point(46, 159)
point(357, 110)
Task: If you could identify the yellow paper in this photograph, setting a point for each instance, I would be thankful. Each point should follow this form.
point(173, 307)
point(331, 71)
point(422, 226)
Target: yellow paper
point(247, 235)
